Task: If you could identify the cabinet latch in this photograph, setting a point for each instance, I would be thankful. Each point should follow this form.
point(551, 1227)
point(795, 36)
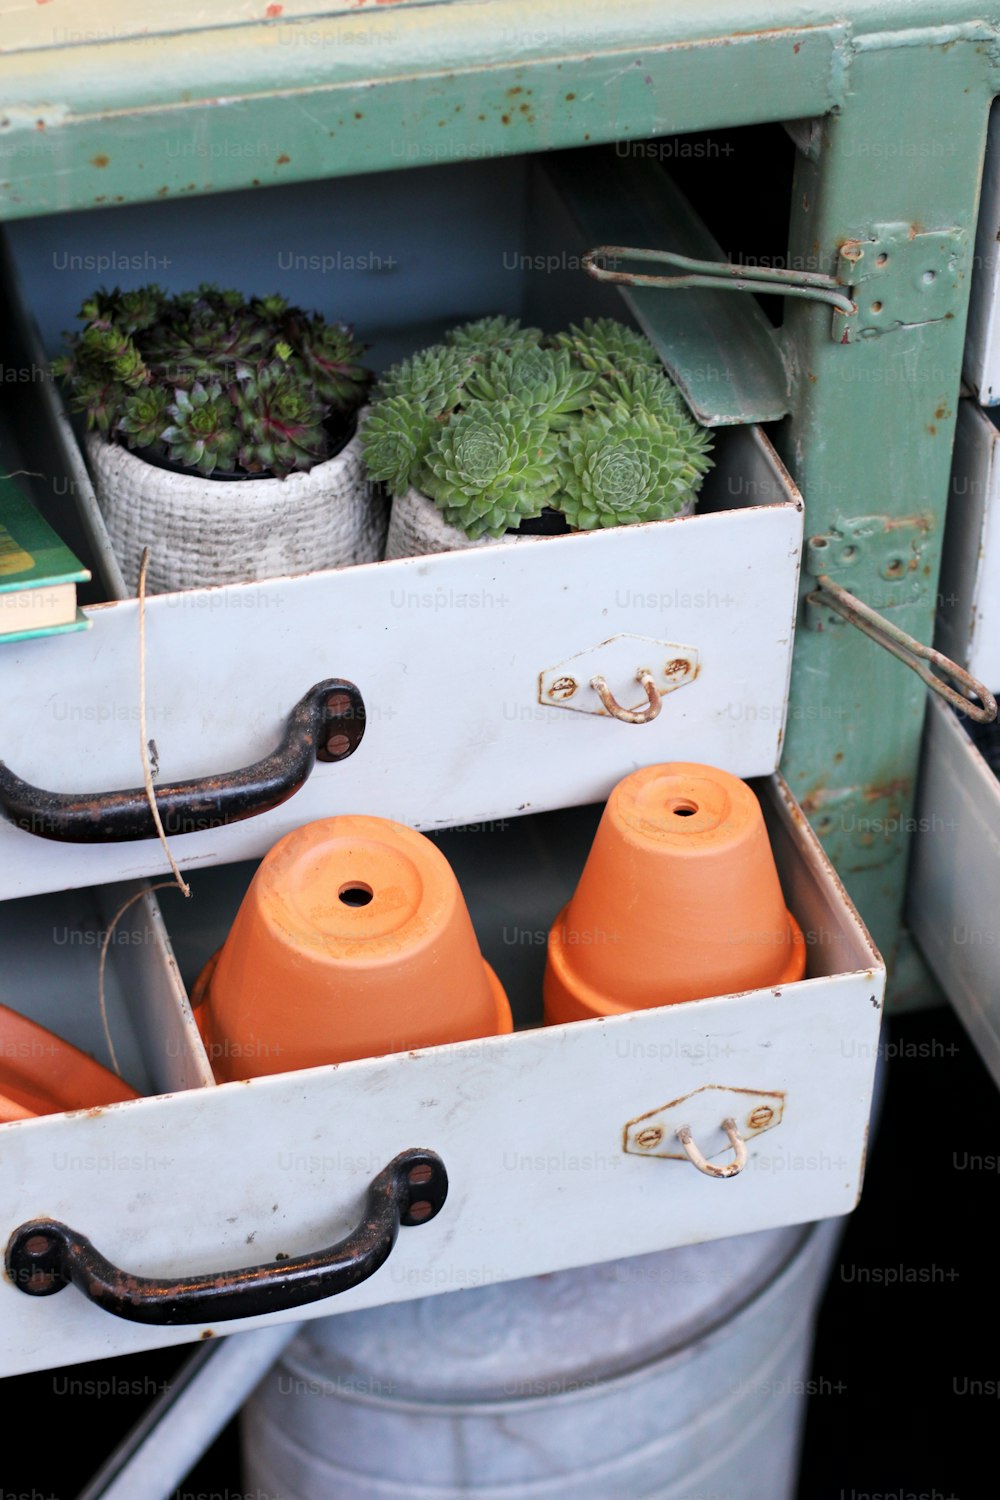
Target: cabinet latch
point(900, 277)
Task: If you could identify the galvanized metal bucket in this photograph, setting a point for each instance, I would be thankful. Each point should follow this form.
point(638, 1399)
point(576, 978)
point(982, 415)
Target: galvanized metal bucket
point(679, 1376)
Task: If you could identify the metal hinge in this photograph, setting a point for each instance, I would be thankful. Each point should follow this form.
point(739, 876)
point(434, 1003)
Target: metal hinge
point(901, 277)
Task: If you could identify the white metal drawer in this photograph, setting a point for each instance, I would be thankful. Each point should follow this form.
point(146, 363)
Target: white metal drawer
point(969, 598)
point(532, 1127)
point(954, 891)
point(449, 653)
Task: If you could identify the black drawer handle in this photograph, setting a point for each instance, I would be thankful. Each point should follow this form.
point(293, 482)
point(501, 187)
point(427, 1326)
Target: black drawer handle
point(44, 1256)
point(327, 724)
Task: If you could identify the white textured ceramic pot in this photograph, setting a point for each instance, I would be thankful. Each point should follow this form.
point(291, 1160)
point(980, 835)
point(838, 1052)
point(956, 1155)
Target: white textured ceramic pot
point(417, 527)
point(210, 531)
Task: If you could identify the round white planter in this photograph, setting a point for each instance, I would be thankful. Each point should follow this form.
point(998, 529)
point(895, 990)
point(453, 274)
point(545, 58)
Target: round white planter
point(417, 527)
point(202, 531)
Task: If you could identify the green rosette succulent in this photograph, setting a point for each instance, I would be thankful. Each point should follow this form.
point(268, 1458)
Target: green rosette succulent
point(485, 334)
point(490, 468)
point(330, 358)
point(639, 386)
point(212, 380)
point(280, 421)
point(145, 415)
point(604, 344)
point(201, 435)
point(397, 438)
point(619, 466)
point(543, 381)
point(434, 378)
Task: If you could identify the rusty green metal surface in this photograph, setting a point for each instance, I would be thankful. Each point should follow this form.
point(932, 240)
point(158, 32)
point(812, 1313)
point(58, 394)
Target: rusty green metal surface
point(871, 431)
point(118, 126)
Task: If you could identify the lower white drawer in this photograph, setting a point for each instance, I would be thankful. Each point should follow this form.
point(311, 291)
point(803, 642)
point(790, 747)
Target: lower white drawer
point(533, 1128)
point(954, 893)
point(969, 592)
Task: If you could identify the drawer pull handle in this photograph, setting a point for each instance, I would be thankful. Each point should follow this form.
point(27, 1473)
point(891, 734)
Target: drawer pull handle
point(327, 724)
point(644, 715)
point(694, 1156)
point(44, 1256)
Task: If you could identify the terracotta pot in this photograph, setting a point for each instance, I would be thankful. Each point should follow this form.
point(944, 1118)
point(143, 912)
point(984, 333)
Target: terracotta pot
point(353, 941)
point(40, 1074)
point(679, 900)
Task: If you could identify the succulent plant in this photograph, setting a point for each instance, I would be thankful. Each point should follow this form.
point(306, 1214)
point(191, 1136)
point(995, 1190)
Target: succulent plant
point(492, 333)
point(201, 435)
point(603, 344)
point(433, 377)
point(397, 437)
point(213, 381)
point(494, 426)
point(492, 467)
point(543, 381)
point(619, 466)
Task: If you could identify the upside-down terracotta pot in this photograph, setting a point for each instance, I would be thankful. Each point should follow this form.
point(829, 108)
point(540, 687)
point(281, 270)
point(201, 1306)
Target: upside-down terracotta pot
point(41, 1074)
point(679, 900)
point(353, 940)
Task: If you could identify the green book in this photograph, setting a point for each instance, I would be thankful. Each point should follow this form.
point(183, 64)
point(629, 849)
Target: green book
point(38, 573)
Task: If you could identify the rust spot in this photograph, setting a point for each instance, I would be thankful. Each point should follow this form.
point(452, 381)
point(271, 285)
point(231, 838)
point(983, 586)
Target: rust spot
point(207, 1333)
point(525, 109)
point(100, 160)
point(512, 93)
point(838, 757)
point(505, 119)
point(571, 97)
point(162, 192)
point(283, 159)
point(39, 124)
point(941, 413)
point(796, 47)
point(932, 429)
point(358, 115)
point(274, 10)
point(759, 1117)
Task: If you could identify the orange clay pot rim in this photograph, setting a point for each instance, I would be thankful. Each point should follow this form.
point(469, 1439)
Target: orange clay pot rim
point(21, 1026)
point(605, 1009)
point(200, 996)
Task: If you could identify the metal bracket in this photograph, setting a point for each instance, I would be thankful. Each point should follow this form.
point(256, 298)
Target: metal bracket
point(880, 555)
point(702, 1113)
point(899, 278)
point(605, 679)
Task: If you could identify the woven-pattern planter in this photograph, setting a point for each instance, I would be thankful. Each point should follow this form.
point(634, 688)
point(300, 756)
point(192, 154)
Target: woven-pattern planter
point(417, 527)
point(202, 531)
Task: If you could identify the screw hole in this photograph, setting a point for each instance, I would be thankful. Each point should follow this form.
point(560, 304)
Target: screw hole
point(355, 893)
point(876, 307)
point(928, 277)
point(849, 554)
point(881, 258)
point(895, 569)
